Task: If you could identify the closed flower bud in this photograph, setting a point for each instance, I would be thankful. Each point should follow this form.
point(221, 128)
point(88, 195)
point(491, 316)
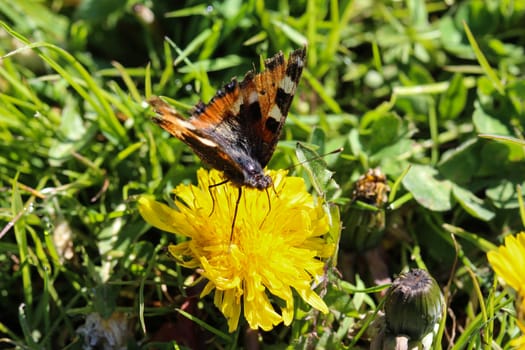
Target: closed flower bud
point(413, 305)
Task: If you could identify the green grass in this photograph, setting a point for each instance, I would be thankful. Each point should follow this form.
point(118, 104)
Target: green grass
point(432, 93)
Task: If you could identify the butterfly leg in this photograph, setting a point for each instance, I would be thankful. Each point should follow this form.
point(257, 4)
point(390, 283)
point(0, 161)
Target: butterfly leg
point(235, 212)
point(211, 194)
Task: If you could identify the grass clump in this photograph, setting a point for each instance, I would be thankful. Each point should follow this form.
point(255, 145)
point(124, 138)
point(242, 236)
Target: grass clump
point(429, 92)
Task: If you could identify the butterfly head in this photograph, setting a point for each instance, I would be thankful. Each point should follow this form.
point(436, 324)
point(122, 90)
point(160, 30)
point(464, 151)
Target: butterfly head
point(250, 173)
point(258, 180)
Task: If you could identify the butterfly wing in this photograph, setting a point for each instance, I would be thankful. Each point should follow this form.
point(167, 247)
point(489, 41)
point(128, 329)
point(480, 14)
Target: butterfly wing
point(256, 108)
point(237, 131)
point(276, 87)
point(198, 133)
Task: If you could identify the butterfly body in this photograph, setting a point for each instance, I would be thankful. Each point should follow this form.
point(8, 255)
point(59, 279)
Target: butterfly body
point(238, 130)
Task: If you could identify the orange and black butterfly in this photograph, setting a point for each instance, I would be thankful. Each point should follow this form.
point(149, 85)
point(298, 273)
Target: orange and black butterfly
point(238, 130)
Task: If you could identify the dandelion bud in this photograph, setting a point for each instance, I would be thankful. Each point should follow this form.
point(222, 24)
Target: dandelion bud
point(413, 305)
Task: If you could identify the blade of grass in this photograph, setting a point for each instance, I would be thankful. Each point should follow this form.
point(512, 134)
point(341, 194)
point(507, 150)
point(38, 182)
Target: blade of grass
point(18, 210)
point(397, 183)
point(321, 91)
point(441, 329)
point(120, 100)
point(153, 156)
point(147, 82)
point(503, 139)
point(491, 74)
point(109, 121)
point(188, 11)
point(128, 81)
point(43, 309)
point(292, 34)
point(482, 306)
point(12, 335)
point(434, 132)
point(204, 325)
point(18, 86)
point(151, 264)
point(521, 204)
point(18, 116)
point(311, 30)
point(26, 329)
point(481, 243)
point(167, 73)
point(192, 47)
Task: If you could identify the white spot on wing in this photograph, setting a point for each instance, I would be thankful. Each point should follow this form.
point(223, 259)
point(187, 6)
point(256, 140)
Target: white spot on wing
point(275, 113)
point(206, 142)
point(288, 85)
point(254, 97)
point(236, 107)
point(186, 125)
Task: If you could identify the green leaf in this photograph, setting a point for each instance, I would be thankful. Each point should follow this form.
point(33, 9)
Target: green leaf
point(515, 93)
point(472, 204)
point(494, 160)
point(105, 300)
point(504, 195)
point(486, 123)
point(460, 164)
point(418, 13)
point(334, 234)
point(391, 157)
point(452, 102)
point(72, 134)
point(384, 131)
point(452, 39)
point(429, 191)
point(316, 168)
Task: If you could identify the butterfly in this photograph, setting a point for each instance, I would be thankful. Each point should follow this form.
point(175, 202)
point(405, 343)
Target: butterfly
point(238, 130)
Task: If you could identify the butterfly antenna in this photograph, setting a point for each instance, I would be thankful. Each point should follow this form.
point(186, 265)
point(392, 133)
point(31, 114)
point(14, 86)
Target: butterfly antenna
point(235, 212)
point(337, 150)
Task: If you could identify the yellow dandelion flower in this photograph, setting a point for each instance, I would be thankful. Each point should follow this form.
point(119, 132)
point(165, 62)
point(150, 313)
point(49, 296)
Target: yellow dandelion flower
point(519, 343)
point(508, 262)
point(275, 247)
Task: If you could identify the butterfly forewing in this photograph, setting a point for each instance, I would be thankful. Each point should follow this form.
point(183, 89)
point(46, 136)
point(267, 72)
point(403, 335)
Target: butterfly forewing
point(276, 91)
point(203, 141)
